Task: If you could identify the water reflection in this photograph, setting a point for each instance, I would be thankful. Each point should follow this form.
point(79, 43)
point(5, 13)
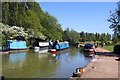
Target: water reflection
point(19, 57)
point(16, 60)
point(35, 65)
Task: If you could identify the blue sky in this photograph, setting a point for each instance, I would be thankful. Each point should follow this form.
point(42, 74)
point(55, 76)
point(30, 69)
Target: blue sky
point(81, 16)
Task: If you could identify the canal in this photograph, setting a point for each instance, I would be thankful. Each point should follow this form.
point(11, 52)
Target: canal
point(43, 65)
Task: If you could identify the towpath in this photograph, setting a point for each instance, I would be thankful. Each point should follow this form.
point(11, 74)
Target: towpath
point(101, 50)
point(102, 66)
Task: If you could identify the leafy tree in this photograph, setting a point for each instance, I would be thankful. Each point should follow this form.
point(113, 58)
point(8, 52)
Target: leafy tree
point(115, 38)
point(30, 16)
point(108, 36)
point(71, 36)
point(40, 25)
point(82, 36)
point(66, 35)
point(52, 29)
point(22, 14)
point(97, 36)
point(5, 14)
point(114, 19)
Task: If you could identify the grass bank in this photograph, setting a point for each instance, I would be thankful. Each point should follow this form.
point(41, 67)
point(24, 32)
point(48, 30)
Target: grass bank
point(110, 48)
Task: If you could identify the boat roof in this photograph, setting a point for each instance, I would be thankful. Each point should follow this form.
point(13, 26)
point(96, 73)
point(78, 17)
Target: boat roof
point(88, 44)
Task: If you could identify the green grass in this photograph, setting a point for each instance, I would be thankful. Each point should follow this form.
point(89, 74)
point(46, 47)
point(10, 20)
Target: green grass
point(110, 48)
point(119, 43)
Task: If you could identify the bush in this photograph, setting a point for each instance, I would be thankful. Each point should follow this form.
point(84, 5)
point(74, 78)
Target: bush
point(108, 43)
point(117, 49)
point(3, 42)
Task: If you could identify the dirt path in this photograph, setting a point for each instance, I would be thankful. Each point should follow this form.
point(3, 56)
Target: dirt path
point(101, 50)
point(102, 67)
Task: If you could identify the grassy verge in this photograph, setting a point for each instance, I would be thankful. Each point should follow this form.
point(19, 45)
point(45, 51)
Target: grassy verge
point(110, 48)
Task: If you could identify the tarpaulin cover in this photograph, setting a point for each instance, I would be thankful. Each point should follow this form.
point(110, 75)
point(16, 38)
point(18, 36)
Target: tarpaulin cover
point(88, 45)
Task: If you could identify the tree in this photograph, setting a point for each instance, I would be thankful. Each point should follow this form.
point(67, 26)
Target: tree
point(108, 36)
point(5, 13)
point(82, 36)
point(74, 36)
point(66, 35)
point(52, 29)
point(71, 35)
point(97, 36)
point(114, 19)
point(23, 15)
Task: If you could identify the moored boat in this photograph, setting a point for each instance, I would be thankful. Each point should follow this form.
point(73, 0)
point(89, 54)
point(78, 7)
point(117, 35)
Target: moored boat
point(41, 47)
point(16, 44)
point(88, 48)
point(59, 46)
point(62, 45)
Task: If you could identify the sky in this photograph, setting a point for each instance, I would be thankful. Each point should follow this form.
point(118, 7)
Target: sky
point(81, 16)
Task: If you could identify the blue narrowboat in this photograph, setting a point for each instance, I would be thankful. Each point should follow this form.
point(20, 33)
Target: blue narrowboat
point(62, 45)
point(15, 44)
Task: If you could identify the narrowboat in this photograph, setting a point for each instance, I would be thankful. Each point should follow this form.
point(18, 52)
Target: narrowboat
point(59, 46)
point(62, 45)
point(16, 45)
point(88, 48)
point(41, 47)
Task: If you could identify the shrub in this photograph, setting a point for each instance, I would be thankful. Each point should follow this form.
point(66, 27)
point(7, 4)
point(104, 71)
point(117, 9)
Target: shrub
point(3, 40)
point(108, 43)
point(117, 49)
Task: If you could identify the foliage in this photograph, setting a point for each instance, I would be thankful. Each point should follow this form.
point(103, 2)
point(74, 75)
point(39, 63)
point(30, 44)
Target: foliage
point(114, 19)
point(71, 36)
point(26, 19)
point(115, 39)
point(52, 29)
point(117, 49)
point(75, 37)
point(3, 40)
point(84, 36)
point(12, 31)
point(30, 16)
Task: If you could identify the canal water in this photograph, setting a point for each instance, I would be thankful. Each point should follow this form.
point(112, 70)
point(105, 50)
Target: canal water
point(43, 65)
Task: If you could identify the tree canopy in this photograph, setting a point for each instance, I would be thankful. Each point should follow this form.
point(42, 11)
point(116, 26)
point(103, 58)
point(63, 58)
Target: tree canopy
point(114, 19)
point(30, 16)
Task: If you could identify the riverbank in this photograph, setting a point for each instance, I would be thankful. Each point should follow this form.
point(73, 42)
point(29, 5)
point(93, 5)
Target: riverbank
point(7, 52)
point(102, 66)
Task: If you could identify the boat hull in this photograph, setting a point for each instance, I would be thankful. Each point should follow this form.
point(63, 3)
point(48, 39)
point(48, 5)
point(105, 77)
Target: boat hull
point(62, 45)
